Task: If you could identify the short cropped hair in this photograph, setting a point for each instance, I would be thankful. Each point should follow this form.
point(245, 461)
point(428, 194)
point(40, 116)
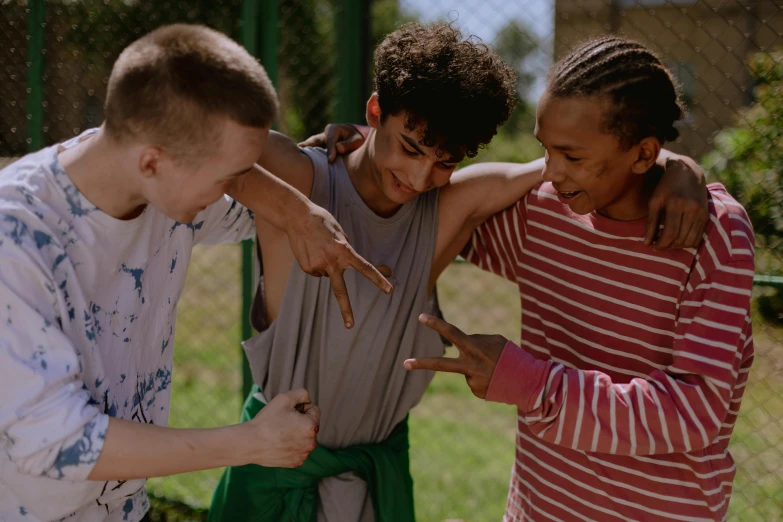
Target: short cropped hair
point(169, 85)
point(457, 89)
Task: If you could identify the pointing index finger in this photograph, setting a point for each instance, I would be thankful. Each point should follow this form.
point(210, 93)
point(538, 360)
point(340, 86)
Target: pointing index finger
point(447, 330)
point(438, 364)
point(365, 268)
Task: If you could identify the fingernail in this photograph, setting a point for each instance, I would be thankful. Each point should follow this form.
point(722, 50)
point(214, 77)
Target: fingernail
point(407, 365)
point(348, 324)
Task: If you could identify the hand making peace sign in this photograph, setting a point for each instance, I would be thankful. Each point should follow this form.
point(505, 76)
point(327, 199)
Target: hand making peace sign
point(478, 355)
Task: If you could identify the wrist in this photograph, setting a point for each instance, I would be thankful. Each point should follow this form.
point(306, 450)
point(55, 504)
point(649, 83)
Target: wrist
point(295, 215)
point(234, 445)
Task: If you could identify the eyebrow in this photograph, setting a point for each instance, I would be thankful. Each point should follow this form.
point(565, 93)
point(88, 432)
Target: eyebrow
point(567, 147)
point(561, 147)
point(410, 141)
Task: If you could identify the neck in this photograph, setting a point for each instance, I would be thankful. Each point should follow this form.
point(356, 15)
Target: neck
point(103, 172)
point(367, 179)
point(634, 203)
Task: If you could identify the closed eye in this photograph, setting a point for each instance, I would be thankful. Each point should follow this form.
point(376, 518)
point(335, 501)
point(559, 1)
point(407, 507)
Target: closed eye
point(572, 159)
point(408, 152)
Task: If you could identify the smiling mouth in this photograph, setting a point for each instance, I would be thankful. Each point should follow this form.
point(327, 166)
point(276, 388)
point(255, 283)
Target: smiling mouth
point(402, 186)
point(569, 195)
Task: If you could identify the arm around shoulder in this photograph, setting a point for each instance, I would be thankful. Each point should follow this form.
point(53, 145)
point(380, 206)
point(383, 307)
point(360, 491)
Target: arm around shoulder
point(483, 189)
point(476, 193)
point(283, 158)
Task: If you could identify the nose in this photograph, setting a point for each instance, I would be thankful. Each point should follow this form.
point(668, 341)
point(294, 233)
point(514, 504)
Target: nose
point(553, 172)
point(421, 180)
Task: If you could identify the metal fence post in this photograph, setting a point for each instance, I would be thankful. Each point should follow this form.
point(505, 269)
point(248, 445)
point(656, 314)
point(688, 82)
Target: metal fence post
point(352, 29)
point(255, 14)
point(268, 40)
point(35, 45)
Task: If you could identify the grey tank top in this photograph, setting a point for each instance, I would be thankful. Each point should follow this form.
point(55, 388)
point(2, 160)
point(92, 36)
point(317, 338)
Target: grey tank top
point(355, 376)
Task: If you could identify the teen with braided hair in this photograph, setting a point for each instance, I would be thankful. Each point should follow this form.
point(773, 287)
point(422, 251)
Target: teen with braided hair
point(633, 361)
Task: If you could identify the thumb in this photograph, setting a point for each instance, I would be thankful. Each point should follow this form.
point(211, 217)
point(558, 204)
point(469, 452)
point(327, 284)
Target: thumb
point(294, 397)
point(351, 144)
point(314, 412)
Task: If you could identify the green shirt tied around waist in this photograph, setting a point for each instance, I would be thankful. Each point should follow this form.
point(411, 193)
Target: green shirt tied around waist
point(259, 494)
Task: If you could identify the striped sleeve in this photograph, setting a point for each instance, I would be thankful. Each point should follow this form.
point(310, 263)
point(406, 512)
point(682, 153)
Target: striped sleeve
point(675, 409)
point(496, 245)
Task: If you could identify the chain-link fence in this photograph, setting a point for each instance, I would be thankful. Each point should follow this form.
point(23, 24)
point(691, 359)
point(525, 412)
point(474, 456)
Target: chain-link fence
point(723, 53)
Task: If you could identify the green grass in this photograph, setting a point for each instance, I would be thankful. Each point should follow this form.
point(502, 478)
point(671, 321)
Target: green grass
point(461, 453)
point(461, 448)
point(207, 377)
point(757, 443)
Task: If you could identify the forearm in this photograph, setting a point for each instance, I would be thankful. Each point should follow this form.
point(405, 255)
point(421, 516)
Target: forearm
point(658, 413)
point(135, 450)
point(269, 197)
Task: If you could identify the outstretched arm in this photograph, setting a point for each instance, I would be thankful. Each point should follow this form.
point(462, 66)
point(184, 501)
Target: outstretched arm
point(317, 239)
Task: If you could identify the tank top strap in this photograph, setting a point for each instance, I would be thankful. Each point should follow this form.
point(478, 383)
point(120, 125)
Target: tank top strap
point(320, 194)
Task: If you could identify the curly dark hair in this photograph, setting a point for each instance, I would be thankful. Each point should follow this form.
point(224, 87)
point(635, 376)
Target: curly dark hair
point(645, 97)
point(457, 89)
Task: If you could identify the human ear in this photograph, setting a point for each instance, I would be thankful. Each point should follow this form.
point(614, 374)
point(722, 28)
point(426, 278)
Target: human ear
point(647, 154)
point(373, 111)
point(149, 162)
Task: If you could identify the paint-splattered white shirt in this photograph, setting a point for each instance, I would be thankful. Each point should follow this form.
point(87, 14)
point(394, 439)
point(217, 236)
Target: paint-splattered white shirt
point(87, 311)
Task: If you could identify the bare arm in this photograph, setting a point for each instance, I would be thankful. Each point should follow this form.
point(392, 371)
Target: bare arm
point(679, 202)
point(474, 194)
point(317, 239)
point(281, 181)
point(279, 436)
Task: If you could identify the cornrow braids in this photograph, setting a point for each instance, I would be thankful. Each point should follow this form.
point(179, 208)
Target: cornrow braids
point(645, 98)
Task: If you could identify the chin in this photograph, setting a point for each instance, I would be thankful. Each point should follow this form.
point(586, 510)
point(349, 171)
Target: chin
point(400, 198)
point(582, 211)
point(394, 195)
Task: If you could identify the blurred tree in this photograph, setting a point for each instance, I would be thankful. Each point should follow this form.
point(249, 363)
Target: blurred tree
point(748, 160)
point(514, 44)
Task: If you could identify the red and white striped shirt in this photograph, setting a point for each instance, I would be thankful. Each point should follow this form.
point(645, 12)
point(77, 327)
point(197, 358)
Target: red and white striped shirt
point(633, 362)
